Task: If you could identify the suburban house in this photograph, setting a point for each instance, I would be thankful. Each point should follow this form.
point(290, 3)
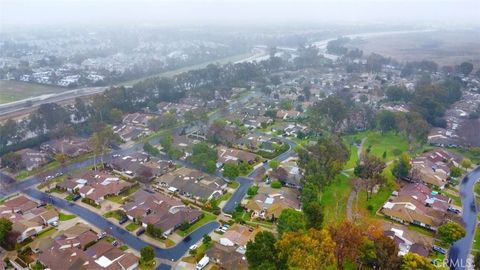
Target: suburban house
point(95, 185)
point(288, 173)
point(227, 257)
point(72, 147)
point(238, 235)
point(419, 205)
point(101, 255)
point(32, 159)
point(192, 183)
point(28, 219)
point(284, 114)
point(407, 244)
point(160, 210)
point(140, 167)
point(434, 167)
point(137, 119)
point(269, 202)
point(235, 156)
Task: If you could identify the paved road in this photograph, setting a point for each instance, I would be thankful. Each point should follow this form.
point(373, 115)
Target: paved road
point(131, 240)
point(246, 182)
point(9, 187)
point(458, 255)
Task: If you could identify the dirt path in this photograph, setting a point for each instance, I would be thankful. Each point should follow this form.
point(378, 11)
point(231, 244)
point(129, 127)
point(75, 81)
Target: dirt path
point(353, 194)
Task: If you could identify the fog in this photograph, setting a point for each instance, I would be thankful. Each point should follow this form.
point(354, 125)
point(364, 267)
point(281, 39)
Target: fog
point(237, 12)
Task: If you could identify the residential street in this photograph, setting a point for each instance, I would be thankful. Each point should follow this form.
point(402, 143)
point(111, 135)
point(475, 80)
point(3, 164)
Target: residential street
point(121, 234)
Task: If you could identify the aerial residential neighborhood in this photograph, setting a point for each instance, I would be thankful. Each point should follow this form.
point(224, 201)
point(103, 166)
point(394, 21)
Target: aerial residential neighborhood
point(243, 135)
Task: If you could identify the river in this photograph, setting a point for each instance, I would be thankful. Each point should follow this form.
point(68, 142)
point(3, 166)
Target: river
point(458, 256)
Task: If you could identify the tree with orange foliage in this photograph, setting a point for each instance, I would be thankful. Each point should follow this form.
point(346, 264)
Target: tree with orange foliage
point(348, 237)
point(311, 250)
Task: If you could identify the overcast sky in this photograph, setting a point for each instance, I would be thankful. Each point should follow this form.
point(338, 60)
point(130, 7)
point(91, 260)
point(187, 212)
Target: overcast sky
point(241, 12)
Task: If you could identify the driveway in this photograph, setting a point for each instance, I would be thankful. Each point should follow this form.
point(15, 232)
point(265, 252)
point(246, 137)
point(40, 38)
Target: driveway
point(121, 234)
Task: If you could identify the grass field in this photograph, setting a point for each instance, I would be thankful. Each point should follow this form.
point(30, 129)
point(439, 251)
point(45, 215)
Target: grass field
point(334, 199)
point(15, 90)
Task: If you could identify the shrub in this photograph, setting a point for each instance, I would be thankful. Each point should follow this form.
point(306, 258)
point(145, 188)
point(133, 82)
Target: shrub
point(276, 184)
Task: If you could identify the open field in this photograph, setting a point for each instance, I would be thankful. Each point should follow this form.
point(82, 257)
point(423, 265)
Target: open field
point(443, 47)
point(14, 90)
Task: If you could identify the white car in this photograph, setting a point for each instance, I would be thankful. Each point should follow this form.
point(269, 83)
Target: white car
point(193, 247)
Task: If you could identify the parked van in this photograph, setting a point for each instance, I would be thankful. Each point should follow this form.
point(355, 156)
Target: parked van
point(203, 262)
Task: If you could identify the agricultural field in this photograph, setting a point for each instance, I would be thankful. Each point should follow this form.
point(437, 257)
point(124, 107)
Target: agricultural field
point(14, 90)
point(444, 47)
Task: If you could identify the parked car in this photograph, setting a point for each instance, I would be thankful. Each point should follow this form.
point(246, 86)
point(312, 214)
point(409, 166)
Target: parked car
point(140, 231)
point(54, 223)
point(454, 210)
point(439, 249)
point(193, 247)
point(115, 243)
point(101, 235)
point(42, 204)
point(76, 197)
point(123, 220)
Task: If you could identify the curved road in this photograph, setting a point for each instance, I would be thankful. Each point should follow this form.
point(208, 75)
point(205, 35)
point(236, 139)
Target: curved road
point(131, 240)
point(246, 182)
point(458, 255)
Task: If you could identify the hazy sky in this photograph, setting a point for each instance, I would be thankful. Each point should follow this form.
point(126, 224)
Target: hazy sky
point(223, 12)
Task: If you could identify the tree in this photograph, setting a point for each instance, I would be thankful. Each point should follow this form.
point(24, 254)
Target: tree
point(348, 237)
point(204, 157)
point(206, 240)
point(450, 232)
point(386, 121)
point(307, 250)
point(466, 163)
point(5, 228)
point(154, 231)
point(401, 167)
point(13, 161)
point(324, 160)
point(327, 114)
point(370, 169)
point(412, 261)
point(147, 254)
point(150, 149)
point(455, 171)
point(398, 93)
point(274, 164)
point(465, 68)
point(231, 171)
point(286, 104)
point(262, 253)
point(290, 220)
point(381, 252)
point(313, 212)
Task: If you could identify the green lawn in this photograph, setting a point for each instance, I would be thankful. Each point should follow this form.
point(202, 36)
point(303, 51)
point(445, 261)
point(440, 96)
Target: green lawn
point(207, 217)
point(132, 227)
point(120, 199)
point(233, 184)
point(476, 240)
point(390, 143)
point(65, 217)
point(124, 247)
point(334, 199)
point(116, 214)
point(47, 232)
